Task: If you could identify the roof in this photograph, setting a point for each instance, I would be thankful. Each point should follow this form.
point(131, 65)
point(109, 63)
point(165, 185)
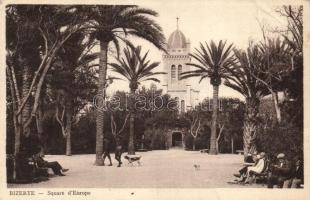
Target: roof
point(177, 40)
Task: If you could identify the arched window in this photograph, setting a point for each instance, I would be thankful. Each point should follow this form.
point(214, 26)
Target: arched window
point(173, 72)
point(179, 71)
point(182, 106)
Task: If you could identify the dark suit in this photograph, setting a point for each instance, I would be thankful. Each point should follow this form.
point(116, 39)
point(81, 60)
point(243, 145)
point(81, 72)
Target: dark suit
point(118, 154)
point(106, 150)
point(297, 176)
point(55, 166)
point(279, 173)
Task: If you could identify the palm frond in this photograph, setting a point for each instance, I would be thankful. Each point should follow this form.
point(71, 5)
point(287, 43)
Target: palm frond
point(150, 79)
point(135, 67)
point(129, 20)
point(211, 60)
point(236, 88)
point(190, 75)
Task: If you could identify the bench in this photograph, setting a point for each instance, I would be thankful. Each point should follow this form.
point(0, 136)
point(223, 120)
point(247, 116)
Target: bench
point(133, 158)
point(142, 150)
point(240, 152)
point(260, 176)
point(204, 151)
point(39, 171)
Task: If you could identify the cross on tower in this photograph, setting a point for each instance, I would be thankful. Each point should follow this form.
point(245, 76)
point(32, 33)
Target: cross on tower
point(178, 22)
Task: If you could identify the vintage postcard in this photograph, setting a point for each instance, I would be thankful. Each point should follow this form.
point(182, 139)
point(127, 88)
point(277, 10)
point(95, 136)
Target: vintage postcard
point(174, 99)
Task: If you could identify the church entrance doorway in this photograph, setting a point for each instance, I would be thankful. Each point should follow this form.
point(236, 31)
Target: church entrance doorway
point(177, 140)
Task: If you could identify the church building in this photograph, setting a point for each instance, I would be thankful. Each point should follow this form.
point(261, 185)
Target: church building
point(174, 63)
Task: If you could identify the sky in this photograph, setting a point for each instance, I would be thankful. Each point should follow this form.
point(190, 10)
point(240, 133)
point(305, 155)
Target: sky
point(203, 21)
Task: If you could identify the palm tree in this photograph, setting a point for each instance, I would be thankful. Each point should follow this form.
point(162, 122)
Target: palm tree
point(276, 65)
point(212, 61)
point(135, 68)
point(241, 79)
point(111, 23)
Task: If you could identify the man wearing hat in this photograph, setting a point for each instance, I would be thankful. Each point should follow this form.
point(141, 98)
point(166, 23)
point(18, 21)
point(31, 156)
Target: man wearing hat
point(280, 172)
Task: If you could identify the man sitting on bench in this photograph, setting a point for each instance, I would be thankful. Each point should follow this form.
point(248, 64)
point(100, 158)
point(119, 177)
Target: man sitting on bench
point(280, 172)
point(55, 166)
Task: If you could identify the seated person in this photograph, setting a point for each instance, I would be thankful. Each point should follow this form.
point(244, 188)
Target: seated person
point(257, 168)
point(297, 174)
point(280, 172)
point(250, 158)
point(55, 166)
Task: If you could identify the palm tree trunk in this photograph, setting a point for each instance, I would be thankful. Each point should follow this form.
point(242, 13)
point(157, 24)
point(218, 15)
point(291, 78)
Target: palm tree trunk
point(213, 150)
point(131, 142)
point(250, 125)
point(101, 95)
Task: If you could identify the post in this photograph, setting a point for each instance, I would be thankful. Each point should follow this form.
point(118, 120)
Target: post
point(232, 145)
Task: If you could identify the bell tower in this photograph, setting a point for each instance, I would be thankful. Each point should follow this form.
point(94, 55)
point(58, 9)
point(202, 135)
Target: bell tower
point(178, 48)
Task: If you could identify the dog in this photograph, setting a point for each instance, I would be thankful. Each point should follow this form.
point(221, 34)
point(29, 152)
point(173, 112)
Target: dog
point(197, 167)
point(133, 158)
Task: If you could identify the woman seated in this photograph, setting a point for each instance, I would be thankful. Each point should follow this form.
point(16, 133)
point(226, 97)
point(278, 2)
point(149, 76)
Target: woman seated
point(244, 173)
point(257, 168)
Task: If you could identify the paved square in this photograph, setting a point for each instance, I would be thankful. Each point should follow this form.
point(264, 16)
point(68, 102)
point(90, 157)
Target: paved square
point(160, 169)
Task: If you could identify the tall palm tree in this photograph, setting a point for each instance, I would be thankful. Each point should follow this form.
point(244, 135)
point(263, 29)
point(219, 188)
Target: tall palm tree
point(111, 23)
point(276, 65)
point(212, 62)
point(241, 79)
point(135, 68)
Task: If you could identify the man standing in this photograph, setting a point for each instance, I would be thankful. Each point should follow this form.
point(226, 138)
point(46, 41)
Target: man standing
point(106, 150)
point(118, 152)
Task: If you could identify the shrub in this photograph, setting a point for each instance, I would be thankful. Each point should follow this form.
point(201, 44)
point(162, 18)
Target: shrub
point(188, 140)
point(201, 142)
point(84, 135)
point(285, 138)
point(157, 138)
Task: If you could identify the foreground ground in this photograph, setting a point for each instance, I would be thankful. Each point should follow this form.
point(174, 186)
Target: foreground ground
point(159, 169)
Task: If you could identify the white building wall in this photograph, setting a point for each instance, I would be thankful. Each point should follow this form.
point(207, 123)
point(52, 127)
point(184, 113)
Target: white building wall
point(175, 87)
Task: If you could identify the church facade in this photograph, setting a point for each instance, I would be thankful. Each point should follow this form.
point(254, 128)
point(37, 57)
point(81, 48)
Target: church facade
point(174, 63)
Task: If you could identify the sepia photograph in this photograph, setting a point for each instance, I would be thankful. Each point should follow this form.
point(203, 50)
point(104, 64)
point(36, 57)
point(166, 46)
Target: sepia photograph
point(158, 95)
